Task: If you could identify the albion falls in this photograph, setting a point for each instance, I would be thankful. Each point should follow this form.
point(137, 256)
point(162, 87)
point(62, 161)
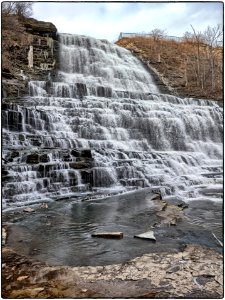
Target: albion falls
point(100, 125)
point(88, 148)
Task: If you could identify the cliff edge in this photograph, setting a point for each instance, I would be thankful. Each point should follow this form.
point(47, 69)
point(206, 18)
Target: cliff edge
point(29, 52)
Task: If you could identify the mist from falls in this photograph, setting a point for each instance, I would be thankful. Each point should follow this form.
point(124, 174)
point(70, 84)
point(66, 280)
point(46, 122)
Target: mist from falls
point(102, 126)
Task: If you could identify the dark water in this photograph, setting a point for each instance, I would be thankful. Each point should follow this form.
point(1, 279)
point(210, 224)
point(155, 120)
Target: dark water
point(61, 234)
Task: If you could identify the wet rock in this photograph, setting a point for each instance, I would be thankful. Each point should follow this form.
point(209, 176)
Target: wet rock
point(103, 91)
point(28, 209)
point(14, 154)
point(75, 153)
point(170, 214)
point(36, 142)
point(4, 173)
point(81, 89)
point(80, 165)
point(86, 176)
point(44, 158)
point(44, 205)
point(67, 157)
point(32, 159)
point(157, 196)
point(82, 153)
point(108, 235)
point(178, 203)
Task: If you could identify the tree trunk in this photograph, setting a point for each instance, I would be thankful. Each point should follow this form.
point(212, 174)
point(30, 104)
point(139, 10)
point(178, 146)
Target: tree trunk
point(212, 69)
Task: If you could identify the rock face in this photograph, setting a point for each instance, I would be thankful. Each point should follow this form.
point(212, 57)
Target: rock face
point(29, 52)
point(41, 48)
point(40, 28)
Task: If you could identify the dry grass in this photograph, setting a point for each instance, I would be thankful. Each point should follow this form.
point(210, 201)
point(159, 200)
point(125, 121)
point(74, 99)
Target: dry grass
point(178, 63)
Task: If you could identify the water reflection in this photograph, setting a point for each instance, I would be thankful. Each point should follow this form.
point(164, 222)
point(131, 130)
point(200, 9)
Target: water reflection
point(61, 235)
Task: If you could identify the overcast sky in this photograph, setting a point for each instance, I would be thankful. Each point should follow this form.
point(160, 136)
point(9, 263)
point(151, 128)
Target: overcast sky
point(107, 20)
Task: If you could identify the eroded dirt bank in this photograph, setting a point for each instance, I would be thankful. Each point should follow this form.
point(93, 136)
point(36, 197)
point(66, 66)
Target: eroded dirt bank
point(196, 272)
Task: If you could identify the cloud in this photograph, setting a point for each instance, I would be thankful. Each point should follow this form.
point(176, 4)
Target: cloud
point(108, 19)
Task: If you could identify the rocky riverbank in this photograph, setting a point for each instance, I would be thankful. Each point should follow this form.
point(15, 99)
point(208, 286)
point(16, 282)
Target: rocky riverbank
point(181, 271)
point(195, 272)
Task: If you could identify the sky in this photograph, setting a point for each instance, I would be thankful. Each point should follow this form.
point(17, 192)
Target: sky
point(105, 20)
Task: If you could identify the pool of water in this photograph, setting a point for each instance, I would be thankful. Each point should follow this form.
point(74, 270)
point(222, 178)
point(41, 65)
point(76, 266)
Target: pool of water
point(61, 234)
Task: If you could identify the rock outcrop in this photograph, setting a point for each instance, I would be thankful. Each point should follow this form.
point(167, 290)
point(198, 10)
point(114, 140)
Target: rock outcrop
point(29, 53)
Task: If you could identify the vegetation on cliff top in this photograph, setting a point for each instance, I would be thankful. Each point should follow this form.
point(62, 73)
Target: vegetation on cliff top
point(192, 67)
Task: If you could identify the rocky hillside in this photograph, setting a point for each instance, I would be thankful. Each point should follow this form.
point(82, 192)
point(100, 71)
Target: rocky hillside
point(176, 64)
point(29, 51)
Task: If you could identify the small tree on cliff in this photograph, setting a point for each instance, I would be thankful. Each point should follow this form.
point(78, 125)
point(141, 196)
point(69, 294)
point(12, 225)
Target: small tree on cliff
point(157, 35)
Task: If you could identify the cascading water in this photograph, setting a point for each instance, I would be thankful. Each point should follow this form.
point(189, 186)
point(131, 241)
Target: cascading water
point(102, 125)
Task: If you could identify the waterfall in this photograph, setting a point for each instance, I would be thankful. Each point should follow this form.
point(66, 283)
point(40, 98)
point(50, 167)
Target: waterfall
point(103, 126)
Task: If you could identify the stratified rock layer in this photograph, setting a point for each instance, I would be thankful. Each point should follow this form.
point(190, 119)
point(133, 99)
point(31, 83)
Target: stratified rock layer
point(29, 52)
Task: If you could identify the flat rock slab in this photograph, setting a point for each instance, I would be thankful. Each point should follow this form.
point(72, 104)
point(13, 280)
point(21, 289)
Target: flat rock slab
point(108, 235)
point(195, 272)
point(149, 235)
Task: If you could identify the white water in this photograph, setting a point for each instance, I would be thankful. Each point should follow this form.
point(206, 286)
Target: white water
point(103, 99)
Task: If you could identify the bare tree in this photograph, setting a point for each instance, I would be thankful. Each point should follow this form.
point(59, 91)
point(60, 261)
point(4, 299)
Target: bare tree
point(199, 40)
point(188, 37)
point(158, 34)
point(212, 36)
point(21, 9)
point(8, 8)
